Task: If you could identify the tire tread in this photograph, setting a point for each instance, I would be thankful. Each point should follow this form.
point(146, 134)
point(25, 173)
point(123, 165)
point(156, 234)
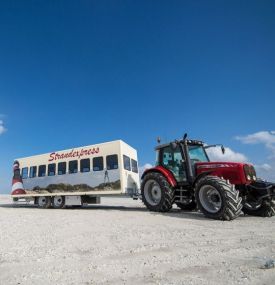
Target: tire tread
point(168, 193)
point(232, 207)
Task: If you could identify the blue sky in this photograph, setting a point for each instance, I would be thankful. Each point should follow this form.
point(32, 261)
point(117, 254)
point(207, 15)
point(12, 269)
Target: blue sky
point(74, 73)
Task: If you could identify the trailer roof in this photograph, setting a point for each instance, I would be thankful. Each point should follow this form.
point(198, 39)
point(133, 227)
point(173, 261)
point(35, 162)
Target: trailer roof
point(75, 147)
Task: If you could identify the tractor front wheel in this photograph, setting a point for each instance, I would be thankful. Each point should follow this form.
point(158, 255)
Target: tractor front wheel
point(218, 199)
point(262, 209)
point(157, 193)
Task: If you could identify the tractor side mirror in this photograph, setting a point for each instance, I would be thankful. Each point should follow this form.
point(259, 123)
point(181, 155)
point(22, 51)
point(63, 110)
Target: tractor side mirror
point(223, 149)
point(173, 145)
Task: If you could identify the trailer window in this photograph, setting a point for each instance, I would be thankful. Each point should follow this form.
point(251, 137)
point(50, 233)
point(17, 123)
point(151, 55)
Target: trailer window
point(98, 163)
point(33, 171)
point(73, 166)
point(112, 161)
point(85, 165)
point(51, 169)
point(126, 162)
point(134, 166)
point(61, 168)
point(41, 170)
point(25, 172)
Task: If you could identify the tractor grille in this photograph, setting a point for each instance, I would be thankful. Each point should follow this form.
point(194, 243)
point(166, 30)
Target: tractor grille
point(250, 172)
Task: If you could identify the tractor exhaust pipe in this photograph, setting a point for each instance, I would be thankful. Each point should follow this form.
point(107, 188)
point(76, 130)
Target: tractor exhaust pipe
point(189, 170)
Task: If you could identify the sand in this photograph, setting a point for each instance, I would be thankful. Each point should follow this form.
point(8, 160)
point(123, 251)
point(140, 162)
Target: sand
point(120, 242)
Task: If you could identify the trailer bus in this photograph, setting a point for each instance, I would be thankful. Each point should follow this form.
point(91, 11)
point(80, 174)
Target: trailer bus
point(79, 176)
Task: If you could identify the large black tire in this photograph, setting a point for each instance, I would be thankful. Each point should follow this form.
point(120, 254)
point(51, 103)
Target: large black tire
point(218, 199)
point(192, 205)
point(157, 193)
point(264, 209)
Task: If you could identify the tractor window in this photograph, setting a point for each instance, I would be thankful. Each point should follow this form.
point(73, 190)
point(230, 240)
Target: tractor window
point(173, 161)
point(197, 154)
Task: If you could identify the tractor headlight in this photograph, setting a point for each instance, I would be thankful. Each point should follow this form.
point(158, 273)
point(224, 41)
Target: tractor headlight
point(250, 172)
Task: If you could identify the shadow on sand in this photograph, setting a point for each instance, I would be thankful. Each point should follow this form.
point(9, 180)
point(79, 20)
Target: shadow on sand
point(175, 213)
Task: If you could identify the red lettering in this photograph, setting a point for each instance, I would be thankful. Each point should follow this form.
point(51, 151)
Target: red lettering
point(72, 153)
point(52, 156)
point(81, 153)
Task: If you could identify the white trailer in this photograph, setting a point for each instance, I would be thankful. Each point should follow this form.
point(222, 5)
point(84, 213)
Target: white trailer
point(80, 175)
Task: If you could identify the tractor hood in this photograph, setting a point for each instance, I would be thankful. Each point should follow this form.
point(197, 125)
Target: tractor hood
point(236, 173)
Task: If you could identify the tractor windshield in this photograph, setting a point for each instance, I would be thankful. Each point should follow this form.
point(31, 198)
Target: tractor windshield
point(197, 154)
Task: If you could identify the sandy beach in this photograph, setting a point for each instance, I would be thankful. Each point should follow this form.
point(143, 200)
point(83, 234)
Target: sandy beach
point(120, 242)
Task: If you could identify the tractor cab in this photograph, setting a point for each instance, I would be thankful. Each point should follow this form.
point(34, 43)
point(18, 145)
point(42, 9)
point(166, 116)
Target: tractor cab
point(180, 158)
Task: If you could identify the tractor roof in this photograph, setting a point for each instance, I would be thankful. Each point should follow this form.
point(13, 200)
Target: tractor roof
point(189, 142)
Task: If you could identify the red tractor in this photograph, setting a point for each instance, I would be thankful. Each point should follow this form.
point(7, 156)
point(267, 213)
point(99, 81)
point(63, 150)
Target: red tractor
point(185, 176)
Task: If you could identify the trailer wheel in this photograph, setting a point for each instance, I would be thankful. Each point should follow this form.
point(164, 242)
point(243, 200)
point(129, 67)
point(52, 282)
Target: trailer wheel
point(44, 202)
point(218, 199)
point(157, 193)
point(263, 209)
point(58, 202)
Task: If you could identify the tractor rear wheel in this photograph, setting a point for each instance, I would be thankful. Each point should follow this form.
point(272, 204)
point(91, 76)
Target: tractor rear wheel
point(157, 193)
point(218, 199)
point(262, 209)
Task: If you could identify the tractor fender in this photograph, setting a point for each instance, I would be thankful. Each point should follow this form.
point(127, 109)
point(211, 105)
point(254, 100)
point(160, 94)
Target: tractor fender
point(165, 172)
point(201, 175)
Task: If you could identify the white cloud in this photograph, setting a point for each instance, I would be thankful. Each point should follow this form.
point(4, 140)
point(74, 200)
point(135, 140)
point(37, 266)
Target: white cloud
point(264, 137)
point(266, 170)
point(259, 137)
point(215, 154)
point(264, 167)
point(144, 167)
point(2, 128)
